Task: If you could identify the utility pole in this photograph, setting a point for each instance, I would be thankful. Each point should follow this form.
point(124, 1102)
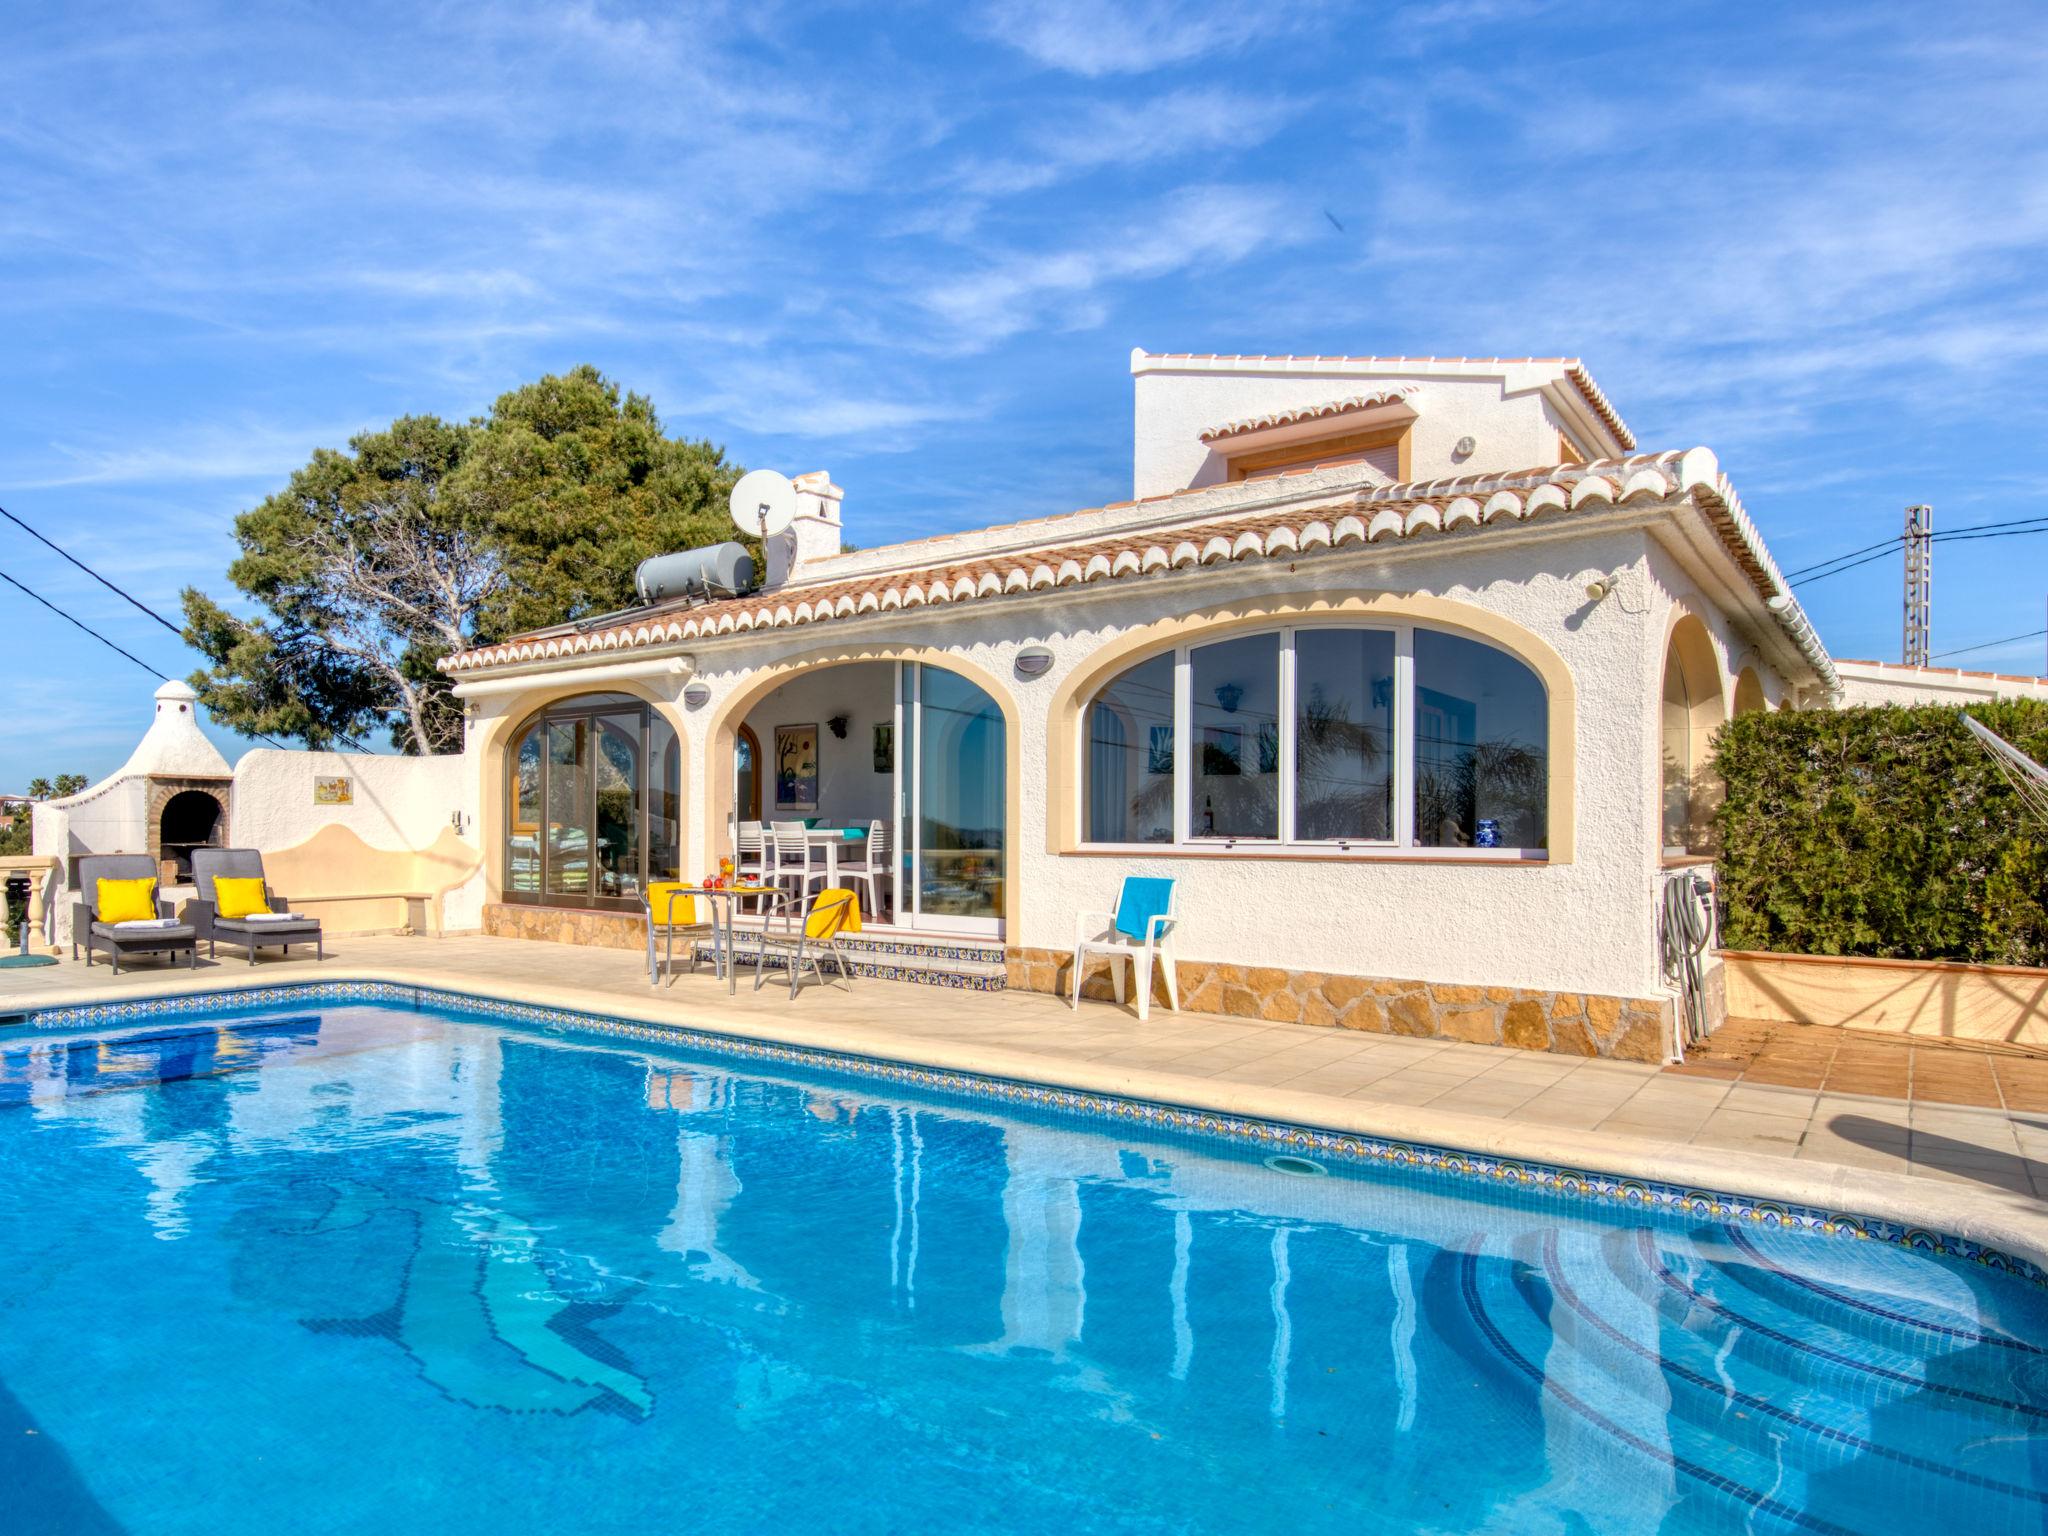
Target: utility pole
point(1919, 538)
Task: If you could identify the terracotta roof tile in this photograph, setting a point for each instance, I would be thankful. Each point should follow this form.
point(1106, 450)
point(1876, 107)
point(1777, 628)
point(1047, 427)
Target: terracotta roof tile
point(1574, 370)
point(1392, 395)
point(1336, 521)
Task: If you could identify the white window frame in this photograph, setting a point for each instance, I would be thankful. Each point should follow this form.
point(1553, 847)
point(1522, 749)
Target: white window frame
point(1402, 845)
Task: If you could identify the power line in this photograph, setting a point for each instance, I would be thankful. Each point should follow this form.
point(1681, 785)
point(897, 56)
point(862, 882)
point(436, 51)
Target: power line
point(155, 672)
point(148, 612)
point(1823, 576)
point(2006, 531)
point(2033, 634)
point(129, 597)
point(2036, 523)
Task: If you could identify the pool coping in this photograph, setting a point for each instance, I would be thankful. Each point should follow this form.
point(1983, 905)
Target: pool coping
point(1992, 1227)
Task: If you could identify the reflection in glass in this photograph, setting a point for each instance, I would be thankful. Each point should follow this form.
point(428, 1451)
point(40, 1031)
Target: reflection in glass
point(960, 763)
point(618, 805)
point(1234, 711)
point(1481, 762)
point(522, 863)
point(595, 804)
point(568, 801)
point(664, 801)
point(1130, 756)
point(1343, 734)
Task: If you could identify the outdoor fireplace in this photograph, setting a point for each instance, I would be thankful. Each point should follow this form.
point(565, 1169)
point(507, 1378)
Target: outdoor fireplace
point(188, 818)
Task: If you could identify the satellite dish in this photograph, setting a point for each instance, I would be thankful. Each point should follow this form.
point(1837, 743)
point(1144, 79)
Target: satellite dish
point(763, 503)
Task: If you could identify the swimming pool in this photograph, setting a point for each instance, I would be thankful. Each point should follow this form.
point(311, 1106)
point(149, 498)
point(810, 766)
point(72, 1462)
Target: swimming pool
point(359, 1266)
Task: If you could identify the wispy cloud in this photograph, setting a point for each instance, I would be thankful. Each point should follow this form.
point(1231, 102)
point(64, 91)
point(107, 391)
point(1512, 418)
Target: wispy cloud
point(1130, 135)
point(1125, 37)
point(205, 451)
point(1199, 227)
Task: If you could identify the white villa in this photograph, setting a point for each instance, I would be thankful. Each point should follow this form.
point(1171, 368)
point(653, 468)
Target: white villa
point(1403, 669)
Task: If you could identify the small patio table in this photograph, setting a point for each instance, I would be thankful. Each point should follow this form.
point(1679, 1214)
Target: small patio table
point(724, 901)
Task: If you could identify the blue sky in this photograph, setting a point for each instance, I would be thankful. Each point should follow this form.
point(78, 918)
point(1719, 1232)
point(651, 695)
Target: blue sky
point(914, 246)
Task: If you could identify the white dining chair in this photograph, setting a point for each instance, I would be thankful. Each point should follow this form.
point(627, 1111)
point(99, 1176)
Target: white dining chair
point(872, 868)
point(795, 859)
point(751, 855)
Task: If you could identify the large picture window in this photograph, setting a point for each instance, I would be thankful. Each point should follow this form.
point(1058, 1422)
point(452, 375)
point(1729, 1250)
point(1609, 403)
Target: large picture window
point(595, 804)
point(1391, 736)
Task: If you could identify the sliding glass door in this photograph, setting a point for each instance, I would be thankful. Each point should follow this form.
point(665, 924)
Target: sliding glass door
point(952, 795)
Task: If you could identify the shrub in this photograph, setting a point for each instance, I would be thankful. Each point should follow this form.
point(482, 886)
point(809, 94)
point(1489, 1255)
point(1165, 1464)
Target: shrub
point(1885, 831)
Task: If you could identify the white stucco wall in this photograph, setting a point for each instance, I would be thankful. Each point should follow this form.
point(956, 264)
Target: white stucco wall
point(1512, 425)
point(1869, 682)
point(399, 802)
point(1584, 926)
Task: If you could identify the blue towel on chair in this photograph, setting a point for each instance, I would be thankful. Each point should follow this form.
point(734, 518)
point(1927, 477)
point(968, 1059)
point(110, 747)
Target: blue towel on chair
point(1144, 898)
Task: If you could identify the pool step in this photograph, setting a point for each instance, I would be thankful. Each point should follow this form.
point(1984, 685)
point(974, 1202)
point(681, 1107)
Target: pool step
point(936, 961)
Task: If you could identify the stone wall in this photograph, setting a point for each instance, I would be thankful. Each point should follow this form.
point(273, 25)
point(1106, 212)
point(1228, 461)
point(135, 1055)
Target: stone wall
point(1570, 1023)
point(562, 925)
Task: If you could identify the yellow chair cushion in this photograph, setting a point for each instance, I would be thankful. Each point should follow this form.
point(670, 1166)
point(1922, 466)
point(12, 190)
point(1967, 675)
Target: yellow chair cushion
point(834, 912)
point(126, 901)
point(666, 899)
point(235, 898)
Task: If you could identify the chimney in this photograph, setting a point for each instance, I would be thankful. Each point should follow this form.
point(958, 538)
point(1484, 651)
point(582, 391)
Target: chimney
point(815, 533)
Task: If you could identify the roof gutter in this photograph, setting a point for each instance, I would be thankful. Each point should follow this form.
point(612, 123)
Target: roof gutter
point(518, 681)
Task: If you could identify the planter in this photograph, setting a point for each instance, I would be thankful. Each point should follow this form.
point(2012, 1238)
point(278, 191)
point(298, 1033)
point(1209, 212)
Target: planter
point(1931, 999)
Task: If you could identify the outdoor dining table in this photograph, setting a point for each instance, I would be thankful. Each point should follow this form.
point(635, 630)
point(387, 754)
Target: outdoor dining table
point(832, 840)
point(725, 900)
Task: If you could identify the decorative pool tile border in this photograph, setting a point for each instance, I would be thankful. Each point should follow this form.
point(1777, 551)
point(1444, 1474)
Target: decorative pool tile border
point(1350, 1147)
point(877, 969)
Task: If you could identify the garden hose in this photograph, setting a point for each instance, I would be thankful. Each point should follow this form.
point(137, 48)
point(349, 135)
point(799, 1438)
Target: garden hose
point(1688, 928)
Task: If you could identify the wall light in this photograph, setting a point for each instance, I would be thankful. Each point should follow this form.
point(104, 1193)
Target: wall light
point(1034, 661)
point(697, 695)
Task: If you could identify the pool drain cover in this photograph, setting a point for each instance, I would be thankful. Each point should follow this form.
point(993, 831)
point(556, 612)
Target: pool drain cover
point(1301, 1167)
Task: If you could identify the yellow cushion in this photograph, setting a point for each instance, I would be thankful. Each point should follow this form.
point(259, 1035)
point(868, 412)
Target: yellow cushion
point(835, 911)
point(671, 908)
point(126, 901)
point(238, 898)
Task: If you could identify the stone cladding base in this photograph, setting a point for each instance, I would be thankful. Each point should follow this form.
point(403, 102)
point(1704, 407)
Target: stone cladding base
point(563, 925)
point(1569, 1023)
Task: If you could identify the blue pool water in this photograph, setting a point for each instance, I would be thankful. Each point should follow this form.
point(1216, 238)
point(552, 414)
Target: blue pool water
point(355, 1268)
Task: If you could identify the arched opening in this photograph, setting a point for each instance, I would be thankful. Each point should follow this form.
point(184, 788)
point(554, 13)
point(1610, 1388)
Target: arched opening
point(1749, 693)
point(1395, 734)
point(1693, 711)
point(888, 764)
point(1340, 691)
point(593, 803)
point(190, 819)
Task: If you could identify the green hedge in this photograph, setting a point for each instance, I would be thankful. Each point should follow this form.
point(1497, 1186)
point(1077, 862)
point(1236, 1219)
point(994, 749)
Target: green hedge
point(1885, 831)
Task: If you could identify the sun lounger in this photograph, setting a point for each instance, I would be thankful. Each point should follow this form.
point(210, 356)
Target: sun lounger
point(161, 934)
point(273, 926)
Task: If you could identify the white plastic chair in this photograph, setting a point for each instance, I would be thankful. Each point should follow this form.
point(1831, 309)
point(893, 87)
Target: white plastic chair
point(1104, 936)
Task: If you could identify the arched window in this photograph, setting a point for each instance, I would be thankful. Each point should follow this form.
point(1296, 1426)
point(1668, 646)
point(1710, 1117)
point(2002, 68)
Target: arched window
point(1395, 735)
point(594, 808)
point(1693, 711)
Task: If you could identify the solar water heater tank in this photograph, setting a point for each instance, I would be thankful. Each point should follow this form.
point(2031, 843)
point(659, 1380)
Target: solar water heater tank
point(717, 570)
